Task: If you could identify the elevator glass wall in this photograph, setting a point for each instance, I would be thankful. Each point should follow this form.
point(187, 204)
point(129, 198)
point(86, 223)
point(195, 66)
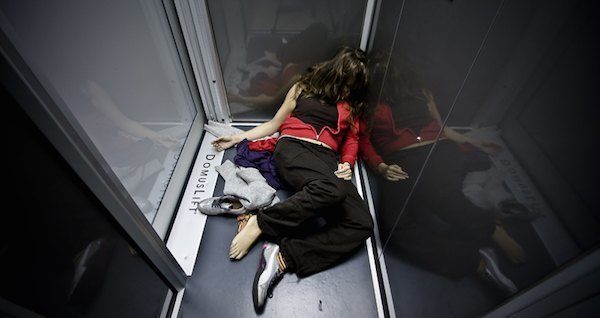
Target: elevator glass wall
point(264, 45)
point(61, 252)
point(510, 178)
point(115, 67)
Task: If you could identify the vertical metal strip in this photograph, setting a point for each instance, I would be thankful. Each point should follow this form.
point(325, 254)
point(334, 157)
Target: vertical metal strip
point(377, 238)
point(371, 254)
point(210, 57)
point(367, 24)
point(184, 15)
point(177, 304)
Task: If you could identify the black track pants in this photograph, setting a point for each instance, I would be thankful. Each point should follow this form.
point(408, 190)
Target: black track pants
point(308, 248)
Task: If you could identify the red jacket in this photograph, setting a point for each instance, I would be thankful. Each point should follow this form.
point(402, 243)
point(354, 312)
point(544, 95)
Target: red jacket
point(342, 139)
point(388, 138)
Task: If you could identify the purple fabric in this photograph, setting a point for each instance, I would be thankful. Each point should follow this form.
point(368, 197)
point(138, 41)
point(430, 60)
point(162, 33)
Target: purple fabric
point(261, 160)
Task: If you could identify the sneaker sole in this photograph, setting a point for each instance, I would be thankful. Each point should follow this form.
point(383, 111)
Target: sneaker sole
point(236, 213)
point(261, 268)
point(267, 269)
point(498, 274)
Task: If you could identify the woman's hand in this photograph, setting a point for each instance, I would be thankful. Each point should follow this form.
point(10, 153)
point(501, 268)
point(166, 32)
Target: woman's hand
point(489, 147)
point(225, 142)
point(344, 171)
point(392, 172)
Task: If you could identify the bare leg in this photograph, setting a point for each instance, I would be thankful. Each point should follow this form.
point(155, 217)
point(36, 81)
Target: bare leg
point(243, 241)
point(509, 246)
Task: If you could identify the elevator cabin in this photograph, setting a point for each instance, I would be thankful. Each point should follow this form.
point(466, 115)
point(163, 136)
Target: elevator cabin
point(111, 107)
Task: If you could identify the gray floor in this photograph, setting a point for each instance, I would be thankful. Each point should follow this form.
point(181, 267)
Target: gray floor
point(222, 288)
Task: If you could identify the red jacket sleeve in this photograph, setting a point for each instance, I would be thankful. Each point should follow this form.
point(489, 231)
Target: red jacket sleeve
point(367, 151)
point(263, 144)
point(350, 145)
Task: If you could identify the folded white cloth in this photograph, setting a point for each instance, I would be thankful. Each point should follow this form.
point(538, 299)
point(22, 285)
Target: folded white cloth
point(486, 189)
point(219, 129)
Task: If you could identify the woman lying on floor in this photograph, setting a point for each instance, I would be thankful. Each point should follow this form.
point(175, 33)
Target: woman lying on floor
point(317, 121)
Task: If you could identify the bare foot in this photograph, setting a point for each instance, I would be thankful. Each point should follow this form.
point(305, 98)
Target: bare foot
point(243, 241)
point(509, 246)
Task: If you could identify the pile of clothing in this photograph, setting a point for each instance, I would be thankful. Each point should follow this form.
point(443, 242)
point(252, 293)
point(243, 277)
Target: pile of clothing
point(250, 183)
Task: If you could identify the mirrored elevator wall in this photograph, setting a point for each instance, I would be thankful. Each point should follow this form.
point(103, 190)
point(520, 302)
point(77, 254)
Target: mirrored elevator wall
point(488, 108)
point(61, 253)
point(115, 67)
point(265, 45)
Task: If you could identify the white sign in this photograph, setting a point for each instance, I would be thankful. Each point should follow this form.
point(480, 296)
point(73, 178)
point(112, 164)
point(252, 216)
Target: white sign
point(186, 234)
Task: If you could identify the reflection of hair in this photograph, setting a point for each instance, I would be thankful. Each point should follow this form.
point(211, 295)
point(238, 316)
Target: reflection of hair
point(398, 80)
point(343, 78)
point(401, 88)
point(306, 48)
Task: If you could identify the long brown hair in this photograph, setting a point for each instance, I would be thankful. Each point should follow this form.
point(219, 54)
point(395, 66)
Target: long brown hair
point(396, 82)
point(343, 78)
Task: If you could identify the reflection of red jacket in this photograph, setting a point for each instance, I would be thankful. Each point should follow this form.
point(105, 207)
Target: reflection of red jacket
point(342, 139)
point(271, 86)
point(387, 138)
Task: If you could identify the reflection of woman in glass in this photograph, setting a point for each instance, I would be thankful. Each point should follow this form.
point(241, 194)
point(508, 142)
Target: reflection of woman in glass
point(129, 147)
point(269, 77)
point(439, 229)
point(108, 109)
point(317, 120)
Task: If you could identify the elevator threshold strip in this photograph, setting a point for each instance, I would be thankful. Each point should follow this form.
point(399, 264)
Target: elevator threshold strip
point(186, 234)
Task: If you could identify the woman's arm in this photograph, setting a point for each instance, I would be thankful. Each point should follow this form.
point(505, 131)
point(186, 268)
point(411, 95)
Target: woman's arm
point(102, 101)
point(266, 128)
point(365, 147)
point(349, 151)
point(368, 153)
point(485, 146)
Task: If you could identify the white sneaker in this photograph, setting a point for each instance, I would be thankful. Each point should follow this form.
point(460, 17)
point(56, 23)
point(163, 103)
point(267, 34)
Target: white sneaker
point(267, 275)
point(492, 271)
point(221, 205)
